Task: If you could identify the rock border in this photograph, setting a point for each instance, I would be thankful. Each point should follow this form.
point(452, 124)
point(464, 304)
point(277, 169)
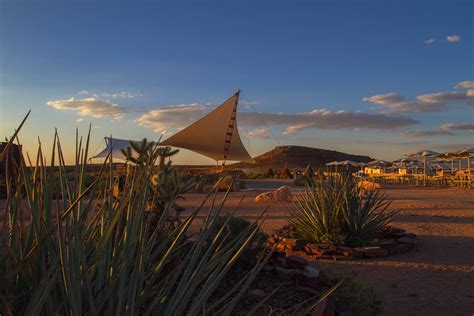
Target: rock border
point(393, 241)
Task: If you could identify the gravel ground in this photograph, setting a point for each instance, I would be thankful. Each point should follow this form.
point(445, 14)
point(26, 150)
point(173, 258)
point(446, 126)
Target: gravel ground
point(437, 278)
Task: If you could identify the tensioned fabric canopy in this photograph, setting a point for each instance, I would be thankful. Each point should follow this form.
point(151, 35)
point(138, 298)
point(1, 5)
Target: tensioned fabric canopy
point(115, 145)
point(209, 135)
point(215, 135)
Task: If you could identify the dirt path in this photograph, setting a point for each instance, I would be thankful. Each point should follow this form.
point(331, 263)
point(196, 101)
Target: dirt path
point(437, 278)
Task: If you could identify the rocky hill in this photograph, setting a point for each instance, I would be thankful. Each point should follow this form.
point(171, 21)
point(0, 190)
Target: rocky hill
point(300, 156)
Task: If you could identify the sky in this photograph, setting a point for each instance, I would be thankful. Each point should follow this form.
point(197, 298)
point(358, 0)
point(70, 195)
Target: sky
point(365, 77)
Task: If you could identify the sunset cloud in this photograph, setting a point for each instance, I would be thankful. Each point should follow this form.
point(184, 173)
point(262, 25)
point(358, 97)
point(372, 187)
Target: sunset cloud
point(90, 107)
point(432, 102)
point(261, 133)
point(173, 116)
point(418, 133)
point(179, 116)
point(458, 126)
point(465, 84)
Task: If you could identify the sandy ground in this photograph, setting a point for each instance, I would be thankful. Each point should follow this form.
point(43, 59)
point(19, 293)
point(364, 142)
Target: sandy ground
point(437, 278)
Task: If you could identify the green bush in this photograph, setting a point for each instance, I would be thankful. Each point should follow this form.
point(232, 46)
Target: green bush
point(351, 296)
point(334, 211)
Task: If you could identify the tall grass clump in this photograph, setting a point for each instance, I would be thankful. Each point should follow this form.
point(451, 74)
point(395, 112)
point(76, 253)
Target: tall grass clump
point(337, 211)
point(91, 253)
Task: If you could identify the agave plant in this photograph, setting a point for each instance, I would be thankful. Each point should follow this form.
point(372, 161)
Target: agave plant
point(334, 211)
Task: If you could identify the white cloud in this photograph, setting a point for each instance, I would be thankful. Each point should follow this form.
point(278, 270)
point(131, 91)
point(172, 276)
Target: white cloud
point(178, 116)
point(261, 133)
point(458, 126)
point(465, 84)
point(430, 41)
point(173, 116)
point(453, 38)
point(418, 133)
point(432, 102)
point(442, 97)
point(90, 107)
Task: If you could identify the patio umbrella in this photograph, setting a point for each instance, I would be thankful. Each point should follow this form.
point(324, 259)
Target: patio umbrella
point(466, 153)
point(424, 153)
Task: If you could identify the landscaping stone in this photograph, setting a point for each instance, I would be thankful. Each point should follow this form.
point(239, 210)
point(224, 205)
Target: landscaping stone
point(324, 257)
point(374, 252)
point(310, 272)
point(407, 240)
point(296, 262)
point(287, 273)
point(312, 249)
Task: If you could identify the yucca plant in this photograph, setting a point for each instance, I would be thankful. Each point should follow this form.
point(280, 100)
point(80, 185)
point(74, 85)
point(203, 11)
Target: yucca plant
point(89, 253)
point(334, 211)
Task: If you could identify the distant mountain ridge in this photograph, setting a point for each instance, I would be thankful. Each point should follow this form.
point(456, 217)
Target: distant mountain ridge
point(301, 156)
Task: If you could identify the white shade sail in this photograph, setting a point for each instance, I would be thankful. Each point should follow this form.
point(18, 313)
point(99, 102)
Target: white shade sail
point(115, 145)
point(215, 135)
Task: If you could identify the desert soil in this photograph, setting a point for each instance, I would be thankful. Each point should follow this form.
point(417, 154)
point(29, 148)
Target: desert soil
point(436, 278)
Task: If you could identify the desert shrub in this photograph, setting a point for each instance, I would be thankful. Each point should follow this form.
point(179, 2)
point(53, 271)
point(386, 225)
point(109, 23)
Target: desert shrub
point(233, 225)
point(94, 254)
point(352, 296)
point(334, 211)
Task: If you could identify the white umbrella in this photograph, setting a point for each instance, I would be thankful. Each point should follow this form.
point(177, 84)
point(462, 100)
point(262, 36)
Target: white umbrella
point(424, 153)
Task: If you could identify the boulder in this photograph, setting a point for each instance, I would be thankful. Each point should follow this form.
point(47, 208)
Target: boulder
point(283, 194)
point(263, 197)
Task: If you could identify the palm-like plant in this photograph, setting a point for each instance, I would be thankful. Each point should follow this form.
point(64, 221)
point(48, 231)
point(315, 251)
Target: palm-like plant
point(335, 211)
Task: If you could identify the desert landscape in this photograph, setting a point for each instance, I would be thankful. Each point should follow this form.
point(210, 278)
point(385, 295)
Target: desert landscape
point(203, 157)
point(409, 284)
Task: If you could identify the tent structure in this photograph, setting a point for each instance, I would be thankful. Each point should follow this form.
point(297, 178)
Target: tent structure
point(215, 136)
point(115, 146)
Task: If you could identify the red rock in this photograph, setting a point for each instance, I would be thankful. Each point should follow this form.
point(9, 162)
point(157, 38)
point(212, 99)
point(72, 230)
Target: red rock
point(341, 258)
point(324, 257)
point(312, 249)
point(289, 242)
point(296, 262)
point(374, 252)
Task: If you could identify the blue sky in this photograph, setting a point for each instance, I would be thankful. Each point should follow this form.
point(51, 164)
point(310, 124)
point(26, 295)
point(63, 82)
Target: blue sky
point(124, 64)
